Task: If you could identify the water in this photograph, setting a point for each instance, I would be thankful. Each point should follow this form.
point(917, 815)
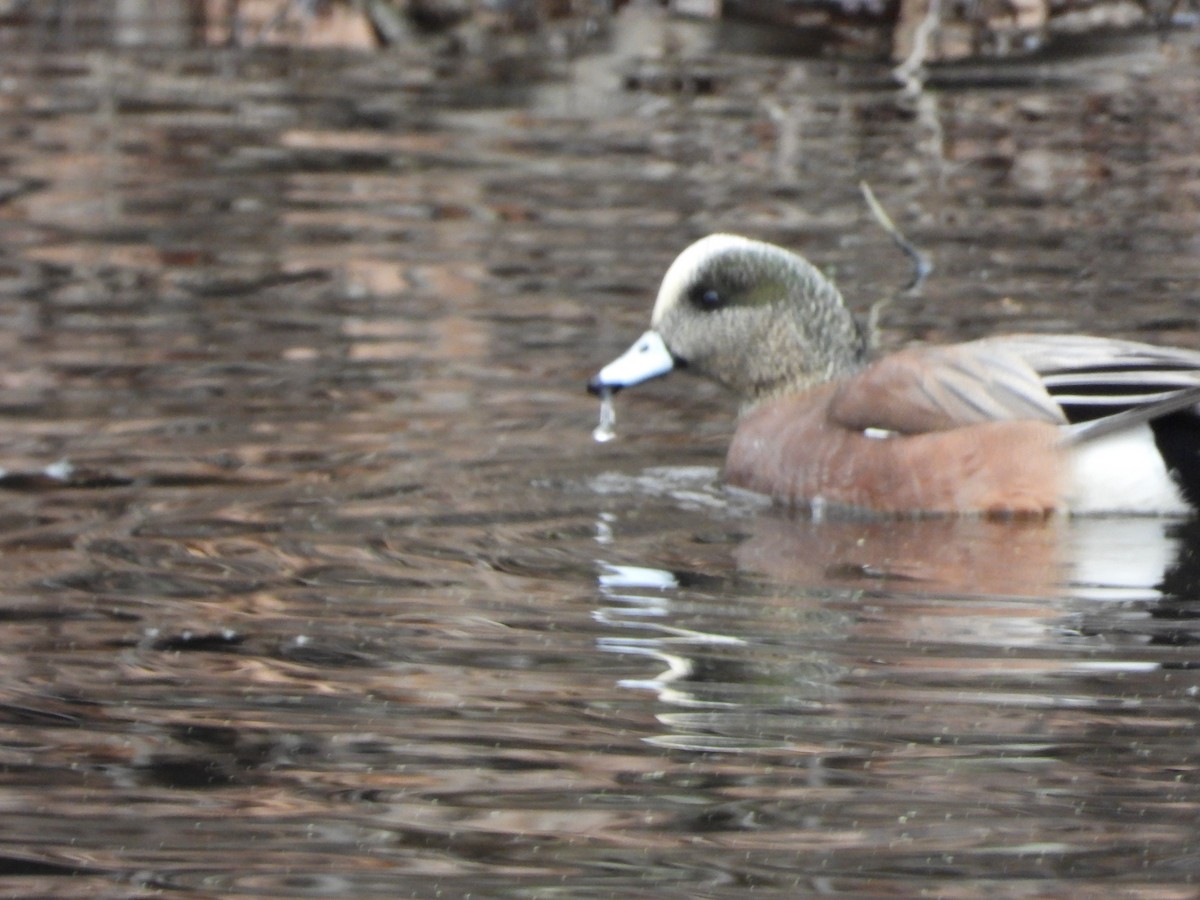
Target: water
point(606, 429)
point(316, 584)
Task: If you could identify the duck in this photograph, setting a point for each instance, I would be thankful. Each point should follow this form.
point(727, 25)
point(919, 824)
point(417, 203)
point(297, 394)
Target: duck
point(1008, 425)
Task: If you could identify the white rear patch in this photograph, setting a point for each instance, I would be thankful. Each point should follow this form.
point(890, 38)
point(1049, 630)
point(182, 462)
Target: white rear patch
point(1122, 473)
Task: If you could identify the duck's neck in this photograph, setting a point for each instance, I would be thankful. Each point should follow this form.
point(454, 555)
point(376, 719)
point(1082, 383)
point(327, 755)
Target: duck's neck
point(824, 345)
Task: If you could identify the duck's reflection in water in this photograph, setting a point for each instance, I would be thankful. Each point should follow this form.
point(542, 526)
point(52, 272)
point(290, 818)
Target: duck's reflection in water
point(1114, 558)
point(821, 616)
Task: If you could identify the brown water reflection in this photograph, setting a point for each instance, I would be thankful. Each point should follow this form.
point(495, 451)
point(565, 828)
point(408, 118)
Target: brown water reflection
point(315, 583)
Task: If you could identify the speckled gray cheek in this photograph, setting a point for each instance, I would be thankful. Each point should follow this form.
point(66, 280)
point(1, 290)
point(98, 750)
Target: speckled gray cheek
point(685, 335)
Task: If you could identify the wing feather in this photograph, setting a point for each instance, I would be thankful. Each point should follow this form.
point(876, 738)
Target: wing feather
point(1047, 378)
point(938, 388)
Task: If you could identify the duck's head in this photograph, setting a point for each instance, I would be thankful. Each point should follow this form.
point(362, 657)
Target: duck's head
point(752, 316)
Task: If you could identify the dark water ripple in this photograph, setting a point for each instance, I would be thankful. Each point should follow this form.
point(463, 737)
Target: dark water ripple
point(316, 585)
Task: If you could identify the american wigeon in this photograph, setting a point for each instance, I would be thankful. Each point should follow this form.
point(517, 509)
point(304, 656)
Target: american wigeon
point(1021, 424)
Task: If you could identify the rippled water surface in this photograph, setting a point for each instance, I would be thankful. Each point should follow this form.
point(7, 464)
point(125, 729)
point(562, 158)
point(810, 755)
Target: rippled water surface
point(315, 583)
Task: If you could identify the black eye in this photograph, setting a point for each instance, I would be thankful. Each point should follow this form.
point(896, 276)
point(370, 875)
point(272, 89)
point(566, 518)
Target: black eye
point(707, 297)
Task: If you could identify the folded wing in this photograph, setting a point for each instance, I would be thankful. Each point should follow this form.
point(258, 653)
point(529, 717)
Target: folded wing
point(1091, 386)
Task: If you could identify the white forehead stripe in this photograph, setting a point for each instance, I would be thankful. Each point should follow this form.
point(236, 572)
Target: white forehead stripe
point(683, 271)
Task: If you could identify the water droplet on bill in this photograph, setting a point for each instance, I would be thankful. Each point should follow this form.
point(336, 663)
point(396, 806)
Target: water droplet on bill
point(607, 429)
